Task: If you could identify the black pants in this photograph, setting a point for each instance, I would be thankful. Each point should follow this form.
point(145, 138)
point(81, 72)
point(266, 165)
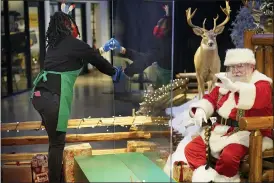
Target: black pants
point(48, 106)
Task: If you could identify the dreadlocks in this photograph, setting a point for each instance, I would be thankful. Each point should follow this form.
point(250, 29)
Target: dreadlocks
point(59, 28)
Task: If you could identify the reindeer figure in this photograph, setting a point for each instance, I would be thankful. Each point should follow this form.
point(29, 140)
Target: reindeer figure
point(206, 59)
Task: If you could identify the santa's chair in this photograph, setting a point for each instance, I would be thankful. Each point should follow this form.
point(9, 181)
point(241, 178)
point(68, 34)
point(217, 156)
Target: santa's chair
point(257, 166)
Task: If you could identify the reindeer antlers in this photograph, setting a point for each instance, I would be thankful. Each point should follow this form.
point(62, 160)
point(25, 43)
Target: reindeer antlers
point(215, 21)
point(190, 15)
point(226, 11)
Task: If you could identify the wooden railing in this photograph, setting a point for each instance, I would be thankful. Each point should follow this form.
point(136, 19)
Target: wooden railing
point(136, 132)
point(263, 46)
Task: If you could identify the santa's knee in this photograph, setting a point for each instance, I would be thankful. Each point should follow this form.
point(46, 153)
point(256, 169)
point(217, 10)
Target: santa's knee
point(190, 154)
point(195, 153)
point(228, 159)
point(188, 150)
point(228, 164)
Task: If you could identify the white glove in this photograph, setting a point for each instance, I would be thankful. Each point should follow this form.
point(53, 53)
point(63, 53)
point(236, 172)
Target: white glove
point(200, 116)
point(226, 83)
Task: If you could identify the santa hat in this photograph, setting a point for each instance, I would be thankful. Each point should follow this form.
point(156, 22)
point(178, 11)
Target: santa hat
point(239, 56)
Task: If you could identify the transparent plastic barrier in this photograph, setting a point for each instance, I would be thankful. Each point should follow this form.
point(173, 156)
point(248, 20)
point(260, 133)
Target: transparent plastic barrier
point(145, 30)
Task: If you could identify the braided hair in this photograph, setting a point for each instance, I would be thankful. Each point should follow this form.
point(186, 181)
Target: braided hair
point(60, 26)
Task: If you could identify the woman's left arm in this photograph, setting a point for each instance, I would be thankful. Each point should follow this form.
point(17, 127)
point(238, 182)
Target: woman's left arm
point(93, 56)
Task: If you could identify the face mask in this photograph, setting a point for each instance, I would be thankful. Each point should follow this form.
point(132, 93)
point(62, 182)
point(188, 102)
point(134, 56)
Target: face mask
point(74, 31)
point(72, 27)
point(158, 32)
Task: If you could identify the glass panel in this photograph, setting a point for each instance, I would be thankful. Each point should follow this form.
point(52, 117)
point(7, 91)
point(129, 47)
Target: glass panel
point(145, 30)
point(53, 7)
point(17, 39)
point(4, 84)
point(78, 19)
point(34, 39)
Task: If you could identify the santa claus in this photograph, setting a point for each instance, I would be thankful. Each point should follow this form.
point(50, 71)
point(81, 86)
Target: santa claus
point(243, 92)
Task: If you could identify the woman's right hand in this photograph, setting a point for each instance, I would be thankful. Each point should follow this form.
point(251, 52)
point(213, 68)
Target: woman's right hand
point(112, 44)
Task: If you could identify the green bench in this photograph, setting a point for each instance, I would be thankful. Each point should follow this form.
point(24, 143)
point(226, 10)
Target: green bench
point(124, 167)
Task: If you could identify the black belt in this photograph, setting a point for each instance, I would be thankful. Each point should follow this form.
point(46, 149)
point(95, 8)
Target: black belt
point(228, 122)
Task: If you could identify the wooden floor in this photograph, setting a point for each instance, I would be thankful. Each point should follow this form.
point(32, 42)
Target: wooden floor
point(93, 97)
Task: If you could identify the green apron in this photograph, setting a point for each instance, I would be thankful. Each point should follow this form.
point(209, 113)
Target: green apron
point(163, 77)
point(67, 83)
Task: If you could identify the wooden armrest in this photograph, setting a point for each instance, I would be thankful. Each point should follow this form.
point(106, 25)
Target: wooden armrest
point(263, 39)
point(255, 123)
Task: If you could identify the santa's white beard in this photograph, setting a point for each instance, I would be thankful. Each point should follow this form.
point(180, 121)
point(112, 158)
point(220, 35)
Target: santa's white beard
point(239, 78)
point(245, 76)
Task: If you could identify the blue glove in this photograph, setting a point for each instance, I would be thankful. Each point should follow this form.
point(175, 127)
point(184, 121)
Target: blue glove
point(112, 44)
point(117, 76)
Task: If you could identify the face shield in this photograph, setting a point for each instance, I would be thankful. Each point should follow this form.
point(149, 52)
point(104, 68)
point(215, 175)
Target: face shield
point(240, 72)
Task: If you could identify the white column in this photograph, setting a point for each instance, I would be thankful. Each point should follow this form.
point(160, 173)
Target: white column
point(88, 23)
point(47, 14)
point(105, 25)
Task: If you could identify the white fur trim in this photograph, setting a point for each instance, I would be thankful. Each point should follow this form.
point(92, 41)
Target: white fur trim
point(222, 178)
point(227, 106)
point(214, 140)
point(217, 141)
point(203, 104)
point(267, 143)
point(221, 129)
point(223, 91)
point(247, 91)
point(239, 56)
point(202, 175)
point(247, 95)
point(257, 76)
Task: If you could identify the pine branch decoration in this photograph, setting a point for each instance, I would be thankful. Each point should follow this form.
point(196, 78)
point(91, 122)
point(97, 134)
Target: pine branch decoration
point(243, 21)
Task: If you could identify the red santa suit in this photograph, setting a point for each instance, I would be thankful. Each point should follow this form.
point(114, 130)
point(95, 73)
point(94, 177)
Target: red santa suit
point(255, 97)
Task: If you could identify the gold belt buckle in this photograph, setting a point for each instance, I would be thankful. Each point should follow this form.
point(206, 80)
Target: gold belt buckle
point(223, 121)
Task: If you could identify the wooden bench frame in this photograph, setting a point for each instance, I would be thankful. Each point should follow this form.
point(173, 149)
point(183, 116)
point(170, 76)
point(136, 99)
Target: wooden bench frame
point(255, 158)
point(263, 46)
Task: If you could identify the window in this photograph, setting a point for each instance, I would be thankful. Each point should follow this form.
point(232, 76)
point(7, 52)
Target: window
point(34, 38)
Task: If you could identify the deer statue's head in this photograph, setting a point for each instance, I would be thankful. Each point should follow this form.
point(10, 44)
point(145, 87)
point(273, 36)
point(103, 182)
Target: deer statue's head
point(263, 17)
point(209, 36)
